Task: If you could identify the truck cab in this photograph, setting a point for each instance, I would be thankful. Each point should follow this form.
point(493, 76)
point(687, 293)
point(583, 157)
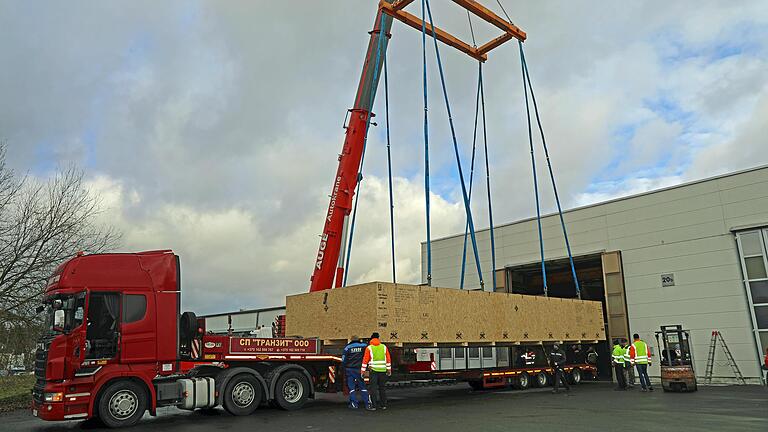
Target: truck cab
point(108, 317)
point(117, 345)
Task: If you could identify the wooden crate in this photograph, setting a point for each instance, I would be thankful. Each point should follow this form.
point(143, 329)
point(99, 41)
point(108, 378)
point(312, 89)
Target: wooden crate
point(413, 314)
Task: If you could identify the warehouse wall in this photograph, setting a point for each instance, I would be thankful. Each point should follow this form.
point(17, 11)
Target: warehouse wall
point(684, 230)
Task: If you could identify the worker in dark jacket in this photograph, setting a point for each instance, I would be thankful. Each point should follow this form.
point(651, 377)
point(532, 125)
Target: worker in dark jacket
point(557, 360)
point(352, 361)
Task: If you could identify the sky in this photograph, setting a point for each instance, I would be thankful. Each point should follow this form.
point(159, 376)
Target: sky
point(213, 128)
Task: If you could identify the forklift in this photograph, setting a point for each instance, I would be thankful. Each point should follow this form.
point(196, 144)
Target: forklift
point(677, 372)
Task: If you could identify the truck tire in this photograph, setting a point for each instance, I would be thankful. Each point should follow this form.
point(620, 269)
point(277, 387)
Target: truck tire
point(242, 395)
point(476, 384)
point(523, 381)
point(542, 379)
point(122, 404)
point(575, 376)
point(188, 325)
point(291, 390)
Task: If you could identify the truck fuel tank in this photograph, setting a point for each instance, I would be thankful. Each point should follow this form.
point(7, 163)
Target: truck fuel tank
point(197, 393)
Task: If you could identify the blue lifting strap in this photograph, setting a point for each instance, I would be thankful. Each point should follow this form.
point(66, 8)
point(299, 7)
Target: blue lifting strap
point(389, 171)
point(426, 140)
point(464, 193)
point(533, 165)
point(527, 78)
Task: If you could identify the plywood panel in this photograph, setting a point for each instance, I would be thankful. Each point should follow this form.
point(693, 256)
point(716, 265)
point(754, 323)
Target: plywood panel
point(421, 314)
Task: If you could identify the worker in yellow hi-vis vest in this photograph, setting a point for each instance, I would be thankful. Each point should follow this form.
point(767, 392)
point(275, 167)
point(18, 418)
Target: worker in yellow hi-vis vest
point(617, 356)
point(377, 365)
point(640, 356)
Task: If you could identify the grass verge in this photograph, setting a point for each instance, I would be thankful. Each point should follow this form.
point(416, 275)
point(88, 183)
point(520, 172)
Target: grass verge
point(15, 392)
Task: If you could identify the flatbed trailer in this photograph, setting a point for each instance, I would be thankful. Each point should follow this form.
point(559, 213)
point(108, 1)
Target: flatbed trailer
point(498, 377)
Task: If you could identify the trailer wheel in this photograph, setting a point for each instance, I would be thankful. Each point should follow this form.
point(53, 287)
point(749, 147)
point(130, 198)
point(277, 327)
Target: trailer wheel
point(476, 384)
point(523, 381)
point(575, 376)
point(291, 390)
point(122, 404)
point(542, 379)
point(242, 395)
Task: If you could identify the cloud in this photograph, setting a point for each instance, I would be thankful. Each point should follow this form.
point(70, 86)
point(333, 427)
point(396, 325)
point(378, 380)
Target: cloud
point(213, 128)
point(230, 259)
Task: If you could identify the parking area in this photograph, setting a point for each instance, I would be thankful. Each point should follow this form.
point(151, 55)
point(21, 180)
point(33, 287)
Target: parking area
point(590, 407)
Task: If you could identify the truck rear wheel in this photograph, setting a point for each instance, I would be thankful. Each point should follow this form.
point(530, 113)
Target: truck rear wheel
point(523, 381)
point(242, 395)
point(122, 404)
point(291, 390)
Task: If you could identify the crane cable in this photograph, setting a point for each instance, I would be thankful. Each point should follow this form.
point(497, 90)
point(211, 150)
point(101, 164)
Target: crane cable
point(362, 157)
point(467, 208)
point(527, 83)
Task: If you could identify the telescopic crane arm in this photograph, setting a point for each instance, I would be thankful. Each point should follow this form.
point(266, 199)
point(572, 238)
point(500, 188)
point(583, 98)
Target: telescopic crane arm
point(329, 264)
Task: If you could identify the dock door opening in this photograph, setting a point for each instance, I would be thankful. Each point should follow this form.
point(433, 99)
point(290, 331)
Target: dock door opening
point(601, 279)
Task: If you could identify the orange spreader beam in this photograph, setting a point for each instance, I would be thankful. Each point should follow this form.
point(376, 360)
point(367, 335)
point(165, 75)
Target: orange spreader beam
point(511, 31)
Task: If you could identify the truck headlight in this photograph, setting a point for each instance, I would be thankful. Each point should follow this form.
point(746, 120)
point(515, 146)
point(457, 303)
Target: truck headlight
point(54, 397)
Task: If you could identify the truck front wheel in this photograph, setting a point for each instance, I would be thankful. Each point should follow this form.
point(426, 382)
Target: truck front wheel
point(122, 404)
point(291, 390)
point(242, 395)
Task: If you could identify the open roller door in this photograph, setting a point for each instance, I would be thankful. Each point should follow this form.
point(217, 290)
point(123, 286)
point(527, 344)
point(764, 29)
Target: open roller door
point(615, 296)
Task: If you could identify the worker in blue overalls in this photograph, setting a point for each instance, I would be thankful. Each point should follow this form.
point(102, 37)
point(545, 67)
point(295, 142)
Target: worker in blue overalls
point(352, 361)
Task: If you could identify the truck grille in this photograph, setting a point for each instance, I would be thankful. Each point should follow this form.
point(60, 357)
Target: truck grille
point(37, 391)
point(41, 357)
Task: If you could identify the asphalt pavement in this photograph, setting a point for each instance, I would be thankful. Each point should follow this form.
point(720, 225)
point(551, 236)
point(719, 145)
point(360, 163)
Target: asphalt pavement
point(590, 407)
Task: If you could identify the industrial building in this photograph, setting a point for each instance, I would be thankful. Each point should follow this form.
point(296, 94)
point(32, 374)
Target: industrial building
point(692, 254)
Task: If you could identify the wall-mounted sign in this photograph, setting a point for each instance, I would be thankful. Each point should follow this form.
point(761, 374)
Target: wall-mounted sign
point(668, 280)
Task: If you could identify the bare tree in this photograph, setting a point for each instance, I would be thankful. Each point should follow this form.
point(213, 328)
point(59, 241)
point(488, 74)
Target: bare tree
point(42, 223)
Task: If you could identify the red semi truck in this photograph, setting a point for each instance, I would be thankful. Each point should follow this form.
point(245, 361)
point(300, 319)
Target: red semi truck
point(117, 345)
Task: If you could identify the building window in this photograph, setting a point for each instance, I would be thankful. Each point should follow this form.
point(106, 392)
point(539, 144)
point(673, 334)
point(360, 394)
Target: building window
point(752, 250)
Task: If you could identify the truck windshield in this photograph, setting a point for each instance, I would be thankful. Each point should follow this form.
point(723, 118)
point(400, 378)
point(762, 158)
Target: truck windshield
point(64, 312)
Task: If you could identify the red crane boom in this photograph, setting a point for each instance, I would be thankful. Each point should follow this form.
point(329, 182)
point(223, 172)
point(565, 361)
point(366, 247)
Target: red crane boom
point(329, 264)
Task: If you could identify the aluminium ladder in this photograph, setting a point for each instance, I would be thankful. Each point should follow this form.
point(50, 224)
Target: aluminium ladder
point(716, 335)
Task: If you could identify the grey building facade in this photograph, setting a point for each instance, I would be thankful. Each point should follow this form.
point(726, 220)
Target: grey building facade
point(693, 254)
